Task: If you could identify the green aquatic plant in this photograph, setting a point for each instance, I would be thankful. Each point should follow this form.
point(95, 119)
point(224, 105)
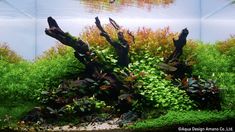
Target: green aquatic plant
point(209, 61)
point(216, 62)
point(63, 86)
point(52, 67)
point(8, 55)
point(26, 79)
point(12, 111)
point(187, 118)
point(151, 84)
point(12, 84)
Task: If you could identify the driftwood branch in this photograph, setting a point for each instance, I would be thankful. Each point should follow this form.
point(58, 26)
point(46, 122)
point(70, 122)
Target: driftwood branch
point(172, 65)
point(82, 51)
point(117, 27)
point(56, 32)
point(103, 32)
point(179, 44)
point(132, 36)
point(111, 1)
point(94, 69)
point(121, 46)
point(114, 24)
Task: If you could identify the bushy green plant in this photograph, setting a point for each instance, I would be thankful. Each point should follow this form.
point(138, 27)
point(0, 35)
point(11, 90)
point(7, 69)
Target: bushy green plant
point(12, 84)
point(107, 56)
point(13, 80)
point(15, 93)
point(227, 48)
point(54, 65)
point(24, 80)
point(151, 84)
point(85, 105)
point(226, 81)
point(217, 62)
point(8, 55)
point(209, 61)
point(27, 79)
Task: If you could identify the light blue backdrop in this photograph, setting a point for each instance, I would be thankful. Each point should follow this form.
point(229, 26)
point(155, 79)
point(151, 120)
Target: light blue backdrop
point(22, 22)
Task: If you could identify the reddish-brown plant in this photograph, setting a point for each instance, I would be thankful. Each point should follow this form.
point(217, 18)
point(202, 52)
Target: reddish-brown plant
point(111, 5)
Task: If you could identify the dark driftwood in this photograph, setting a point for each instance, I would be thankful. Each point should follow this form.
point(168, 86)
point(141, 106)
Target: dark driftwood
point(173, 65)
point(117, 27)
point(179, 44)
point(114, 24)
point(121, 45)
point(55, 31)
point(94, 69)
point(82, 51)
point(81, 48)
point(111, 1)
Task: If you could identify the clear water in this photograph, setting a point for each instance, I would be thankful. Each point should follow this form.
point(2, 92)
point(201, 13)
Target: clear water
point(22, 23)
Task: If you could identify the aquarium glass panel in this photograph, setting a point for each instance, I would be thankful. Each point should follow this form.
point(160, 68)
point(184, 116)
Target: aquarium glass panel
point(25, 20)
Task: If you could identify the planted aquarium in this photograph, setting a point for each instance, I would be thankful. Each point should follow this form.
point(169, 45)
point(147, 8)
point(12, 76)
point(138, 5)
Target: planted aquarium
point(117, 65)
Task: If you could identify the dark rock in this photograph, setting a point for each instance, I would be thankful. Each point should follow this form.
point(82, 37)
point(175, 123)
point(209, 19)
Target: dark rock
point(127, 118)
point(36, 114)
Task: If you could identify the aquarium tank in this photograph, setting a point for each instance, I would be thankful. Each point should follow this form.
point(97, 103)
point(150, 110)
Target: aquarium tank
point(117, 65)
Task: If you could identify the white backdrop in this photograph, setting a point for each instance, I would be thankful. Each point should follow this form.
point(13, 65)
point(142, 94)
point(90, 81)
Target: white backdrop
point(22, 22)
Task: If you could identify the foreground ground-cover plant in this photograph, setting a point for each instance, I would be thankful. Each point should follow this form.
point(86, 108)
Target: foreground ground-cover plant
point(173, 119)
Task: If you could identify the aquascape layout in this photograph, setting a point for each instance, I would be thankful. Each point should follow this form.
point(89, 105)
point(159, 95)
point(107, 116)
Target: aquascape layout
point(117, 65)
